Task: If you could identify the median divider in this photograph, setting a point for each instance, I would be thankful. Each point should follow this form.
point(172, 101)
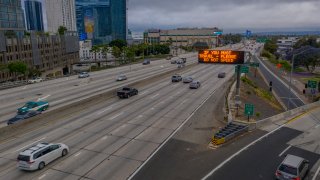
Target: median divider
point(230, 131)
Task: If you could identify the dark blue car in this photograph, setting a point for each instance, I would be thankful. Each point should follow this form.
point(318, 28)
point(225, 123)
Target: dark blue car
point(22, 116)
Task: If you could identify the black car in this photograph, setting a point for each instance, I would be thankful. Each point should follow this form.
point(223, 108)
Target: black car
point(222, 75)
point(146, 61)
point(22, 116)
point(126, 92)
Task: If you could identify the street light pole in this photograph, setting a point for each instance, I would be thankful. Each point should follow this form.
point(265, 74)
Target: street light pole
point(291, 72)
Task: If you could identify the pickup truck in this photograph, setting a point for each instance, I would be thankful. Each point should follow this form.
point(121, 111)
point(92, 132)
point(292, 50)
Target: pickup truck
point(126, 92)
point(34, 106)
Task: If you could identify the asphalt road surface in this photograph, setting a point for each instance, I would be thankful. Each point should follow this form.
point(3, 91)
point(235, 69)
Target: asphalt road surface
point(111, 139)
point(60, 92)
point(280, 87)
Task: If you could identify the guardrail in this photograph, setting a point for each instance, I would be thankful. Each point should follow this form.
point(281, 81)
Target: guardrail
point(7, 85)
point(229, 132)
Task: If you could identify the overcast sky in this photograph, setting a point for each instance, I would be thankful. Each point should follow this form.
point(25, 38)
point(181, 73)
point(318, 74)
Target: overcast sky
point(230, 15)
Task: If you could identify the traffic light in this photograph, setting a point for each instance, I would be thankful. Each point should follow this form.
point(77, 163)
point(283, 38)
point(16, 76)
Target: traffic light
point(304, 91)
point(270, 83)
point(305, 85)
point(270, 88)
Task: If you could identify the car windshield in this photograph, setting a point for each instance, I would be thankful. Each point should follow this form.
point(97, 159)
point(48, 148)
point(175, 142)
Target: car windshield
point(29, 105)
point(126, 89)
point(288, 169)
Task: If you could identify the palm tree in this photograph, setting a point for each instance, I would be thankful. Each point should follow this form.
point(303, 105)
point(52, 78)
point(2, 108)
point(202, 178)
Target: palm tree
point(95, 49)
point(105, 50)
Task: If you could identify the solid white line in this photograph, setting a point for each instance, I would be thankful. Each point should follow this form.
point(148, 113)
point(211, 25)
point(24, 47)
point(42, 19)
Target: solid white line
point(235, 154)
point(316, 174)
point(168, 138)
point(77, 154)
point(44, 175)
point(45, 97)
point(30, 144)
point(104, 110)
point(154, 96)
point(284, 151)
point(115, 116)
point(61, 100)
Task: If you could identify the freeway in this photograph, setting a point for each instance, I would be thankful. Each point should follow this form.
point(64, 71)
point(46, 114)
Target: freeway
point(111, 139)
point(60, 92)
point(260, 159)
point(289, 98)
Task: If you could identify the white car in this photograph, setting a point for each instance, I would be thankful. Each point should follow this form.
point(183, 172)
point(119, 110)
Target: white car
point(194, 85)
point(121, 77)
point(35, 80)
point(38, 156)
point(187, 79)
point(83, 75)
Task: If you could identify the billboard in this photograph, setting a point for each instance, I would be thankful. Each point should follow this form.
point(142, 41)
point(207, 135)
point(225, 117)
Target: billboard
point(221, 56)
point(89, 22)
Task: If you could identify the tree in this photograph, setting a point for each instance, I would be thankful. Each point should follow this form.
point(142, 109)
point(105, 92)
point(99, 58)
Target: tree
point(105, 50)
point(10, 34)
point(17, 68)
point(307, 56)
point(32, 72)
point(118, 43)
point(129, 53)
point(271, 46)
point(116, 52)
point(95, 49)
point(62, 30)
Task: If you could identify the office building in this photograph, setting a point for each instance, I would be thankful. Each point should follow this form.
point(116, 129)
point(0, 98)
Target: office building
point(51, 55)
point(183, 37)
point(33, 15)
point(60, 13)
point(11, 16)
point(101, 20)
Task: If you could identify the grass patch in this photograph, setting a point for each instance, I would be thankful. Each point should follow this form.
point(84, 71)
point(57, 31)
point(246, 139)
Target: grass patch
point(249, 82)
point(305, 80)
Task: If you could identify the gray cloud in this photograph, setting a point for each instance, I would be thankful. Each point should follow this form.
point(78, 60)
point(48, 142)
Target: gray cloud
point(227, 14)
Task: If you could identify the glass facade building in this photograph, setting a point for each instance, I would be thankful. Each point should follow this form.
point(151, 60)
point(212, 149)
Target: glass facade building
point(101, 20)
point(33, 13)
point(11, 16)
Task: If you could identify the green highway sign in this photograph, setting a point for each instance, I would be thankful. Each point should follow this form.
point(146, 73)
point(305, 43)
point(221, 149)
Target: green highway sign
point(254, 64)
point(244, 69)
point(248, 109)
point(312, 84)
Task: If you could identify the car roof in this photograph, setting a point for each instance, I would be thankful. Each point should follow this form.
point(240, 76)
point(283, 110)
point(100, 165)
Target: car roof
point(31, 150)
point(292, 160)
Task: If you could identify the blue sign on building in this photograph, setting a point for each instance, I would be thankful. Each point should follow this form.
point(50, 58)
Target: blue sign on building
point(248, 33)
point(83, 36)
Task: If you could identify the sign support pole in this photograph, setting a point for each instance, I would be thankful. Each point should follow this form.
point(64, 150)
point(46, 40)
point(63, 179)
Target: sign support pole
point(238, 86)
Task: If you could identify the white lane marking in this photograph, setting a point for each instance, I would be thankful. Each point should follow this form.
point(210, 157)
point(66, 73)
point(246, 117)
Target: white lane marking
point(168, 138)
point(100, 112)
point(140, 116)
point(284, 151)
point(152, 108)
point(143, 93)
point(316, 174)
point(104, 137)
point(41, 177)
point(45, 97)
point(235, 154)
point(154, 96)
point(61, 100)
point(24, 87)
point(30, 144)
point(115, 116)
point(77, 154)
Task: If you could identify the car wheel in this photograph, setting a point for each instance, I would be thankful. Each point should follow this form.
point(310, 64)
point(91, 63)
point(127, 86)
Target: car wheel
point(44, 108)
point(64, 152)
point(41, 165)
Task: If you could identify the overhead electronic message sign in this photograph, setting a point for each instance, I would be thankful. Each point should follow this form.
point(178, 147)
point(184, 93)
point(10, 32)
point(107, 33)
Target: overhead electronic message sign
point(221, 56)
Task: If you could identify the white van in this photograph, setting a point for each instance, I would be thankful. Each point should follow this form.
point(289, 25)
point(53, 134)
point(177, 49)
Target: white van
point(38, 156)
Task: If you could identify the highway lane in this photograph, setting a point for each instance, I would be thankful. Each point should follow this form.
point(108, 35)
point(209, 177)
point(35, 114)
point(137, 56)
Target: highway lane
point(261, 159)
point(67, 90)
point(113, 138)
point(280, 87)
